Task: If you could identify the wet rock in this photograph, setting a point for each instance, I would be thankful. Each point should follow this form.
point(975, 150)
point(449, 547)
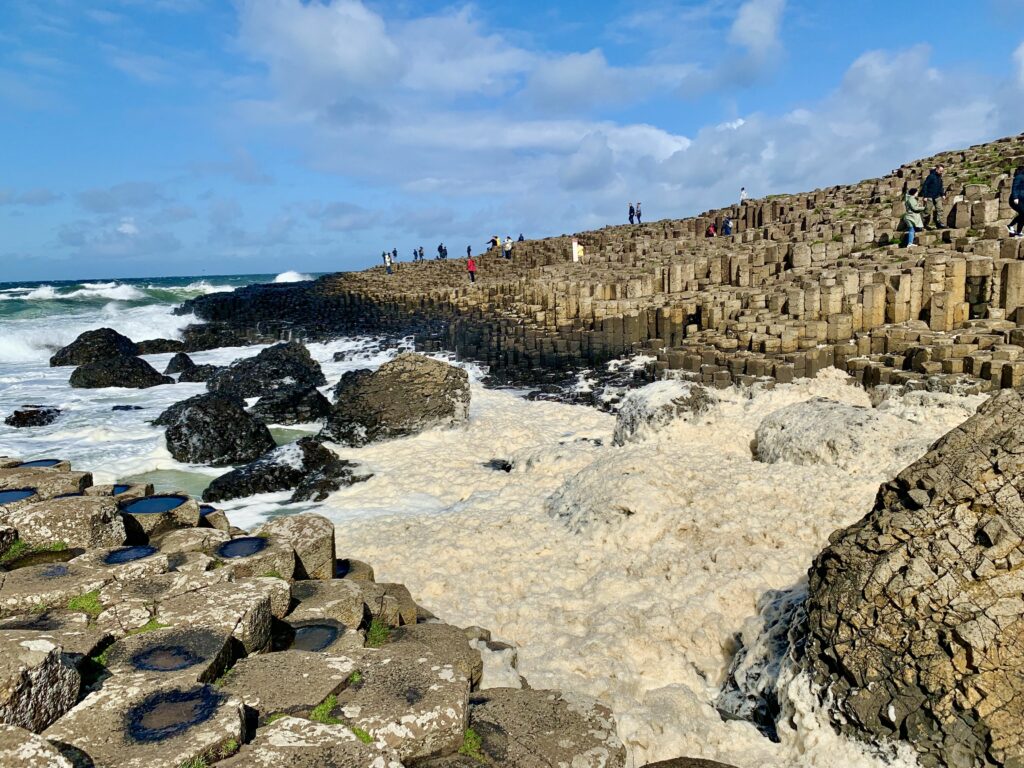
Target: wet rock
point(214, 429)
point(37, 683)
point(408, 700)
point(450, 644)
point(198, 374)
point(180, 363)
point(535, 729)
point(289, 682)
point(159, 346)
point(243, 609)
point(127, 408)
point(78, 521)
point(198, 654)
point(351, 382)
point(94, 346)
point(339, 600)
point(51, 585)
point(649, 410)
point(299, 743)
point(403, 397)
point(295, 404)
point(248, 556)
point(122, 491)
point(33, 416)
point(282, 365)
point(126, 372)
point(141, 721)
point(915, 613)
point(312, 538)
point(151, 516)
point(23, 749)
point(200, 337)
point(46, 482)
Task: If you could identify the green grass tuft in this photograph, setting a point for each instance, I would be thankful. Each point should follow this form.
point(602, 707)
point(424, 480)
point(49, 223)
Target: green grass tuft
point(195, 762)
point(149, 626)
point(355, 678)
point(472, 746)
point(378, 634)
point(88, 603)
point(362, 735)
point(275, 717)
point(227, 749)
point(20, 549)
point(322, 712)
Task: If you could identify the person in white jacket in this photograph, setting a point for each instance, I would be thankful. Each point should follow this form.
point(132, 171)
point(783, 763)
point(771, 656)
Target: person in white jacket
point(508, 246)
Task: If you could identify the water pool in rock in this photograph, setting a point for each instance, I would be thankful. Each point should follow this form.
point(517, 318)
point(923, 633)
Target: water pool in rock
point(39, 463)
point(163, 715)
point(244, 546)
point(314, 637)
point(164, 658)
point(9, 497)
point(128, 554)
point(153, 505)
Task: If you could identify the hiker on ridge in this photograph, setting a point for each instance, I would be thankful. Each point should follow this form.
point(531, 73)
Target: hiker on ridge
point(912, 218)
point(1016, 226)
point(743, 195)
point(639, 216)
point(521, 238)
point(388, 261)
point(421, 253)
point(471, 268)
point(440, 251)
point(934, 194)
point(632, 213)
point(508, 246)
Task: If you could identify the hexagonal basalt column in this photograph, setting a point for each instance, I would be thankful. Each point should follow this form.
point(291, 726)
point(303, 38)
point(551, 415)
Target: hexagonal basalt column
point(151, 516)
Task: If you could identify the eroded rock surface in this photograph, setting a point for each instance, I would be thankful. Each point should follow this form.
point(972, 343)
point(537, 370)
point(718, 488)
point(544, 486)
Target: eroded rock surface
point(279, 366)
point(123, 371)
point(93, 346)
point(214, 429)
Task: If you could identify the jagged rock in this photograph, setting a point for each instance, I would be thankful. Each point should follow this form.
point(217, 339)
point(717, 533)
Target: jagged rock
point(94, 346)
point(281, 365)
point(180, 363)
point(37, 683)
point(391, 603)
point(200, 337)
point(198, 374)
point(141, 721)
point(403, 397)
point(33, 416)
point(279, 589)
point(142, 525)
point(350, 382)
point(214, 429)
point(915, 613)
point(312, 538)
point(300, 743)
point(302, 463)
point(77, 521)
point(649, 410)
point(159, 346)
point(530, 729)
point(295, 404)
point(126, 372)
point(23, 749)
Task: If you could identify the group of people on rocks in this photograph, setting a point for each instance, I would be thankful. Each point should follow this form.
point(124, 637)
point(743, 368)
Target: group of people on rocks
point(635, 214)
point(712, 230)
point(926, 208)
point(505, 247)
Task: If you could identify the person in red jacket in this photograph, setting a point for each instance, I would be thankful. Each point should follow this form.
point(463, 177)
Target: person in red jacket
point(471, 268)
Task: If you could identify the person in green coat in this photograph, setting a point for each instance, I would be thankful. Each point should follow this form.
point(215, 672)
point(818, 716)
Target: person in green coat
point(912, 218)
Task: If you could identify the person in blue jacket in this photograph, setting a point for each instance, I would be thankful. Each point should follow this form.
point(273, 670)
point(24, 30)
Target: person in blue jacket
point(1016, 226)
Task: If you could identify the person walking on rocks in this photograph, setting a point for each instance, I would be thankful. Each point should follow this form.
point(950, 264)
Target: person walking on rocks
point(521, 238)
point(471, 268)
point(632, 214)
point(469, 251)
point(726, 226)
point(388, 261)
point(743, 195)
point(912, 218)
point(934, 194)
point(639, 215)
point(508, 246)
point(444, 252)
point(710, 231)
point(1016, 226)
point(421, 253)
point(440, 250)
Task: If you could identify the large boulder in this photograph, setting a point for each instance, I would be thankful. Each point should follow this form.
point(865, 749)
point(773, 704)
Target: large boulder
point(281, 365)
point(283, 469)
point(916, 613)
point(159, 346)
point(37, 683)
point(180, 363)
point(93, 346)
point(214, 429)
point(122, 371)
point(403, 397)
point(32, 416)
point(650, 409)
point(312, 538)
point(292, 404)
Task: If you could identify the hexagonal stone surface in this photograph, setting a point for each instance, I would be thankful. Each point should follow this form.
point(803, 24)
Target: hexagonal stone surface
point(53, 585)
point(71, 631)
point(23, 749)
point(289, 682)
point(334, 599)
point(688, 762)
point(46, 481)
point(78, 521)
point(449, 643)
point(151, 516)
point(201, 655)
point(192, 540)
point(298, 743)
point(538, 729)
point(240, 608)
point(37, 683)
point(139, 721)
point(408, 700)
point(312, 538)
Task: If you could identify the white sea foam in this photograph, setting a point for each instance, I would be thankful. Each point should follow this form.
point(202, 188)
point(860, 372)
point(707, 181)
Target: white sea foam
point(113, 291)
point(291, 277)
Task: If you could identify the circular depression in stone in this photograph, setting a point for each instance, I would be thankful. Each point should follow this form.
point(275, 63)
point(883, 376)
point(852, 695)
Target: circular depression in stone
point(244, 546)
point(165, 658)
point(55, 572)
point(314, 637)
point(162, 715)
point(44, 558)
point(9, 497)
point(128, 554)
point(153, 505)
point(119, 489)
point(206, 509)
point(39, 463)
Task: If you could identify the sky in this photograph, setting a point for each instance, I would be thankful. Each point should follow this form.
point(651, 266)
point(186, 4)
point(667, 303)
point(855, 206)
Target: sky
point(141, 138)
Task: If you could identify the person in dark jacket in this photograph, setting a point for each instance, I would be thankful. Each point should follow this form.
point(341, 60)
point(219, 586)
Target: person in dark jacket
point(933, 194)
point(632, 213)
point(1017, 203)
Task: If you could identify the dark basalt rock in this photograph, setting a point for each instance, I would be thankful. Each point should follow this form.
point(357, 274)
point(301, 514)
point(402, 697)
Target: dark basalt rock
point(198, 374)
point(403, 397)
point(350, 383)
point(199, 338)
point(180, 363)
point(281, 365)
point(297, 465)
point(214, 429)
point(32, 416)
point(93, 346)
point(127, 408)
point(127, 372)
point(295, 404)
point(159, 346)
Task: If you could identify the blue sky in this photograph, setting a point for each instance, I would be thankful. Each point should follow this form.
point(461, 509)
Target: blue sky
point(173, 137)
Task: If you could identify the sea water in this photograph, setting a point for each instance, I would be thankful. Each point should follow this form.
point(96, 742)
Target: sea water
point(690, 547)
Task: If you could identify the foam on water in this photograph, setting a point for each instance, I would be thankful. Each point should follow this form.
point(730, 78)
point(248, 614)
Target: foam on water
point(291, 277)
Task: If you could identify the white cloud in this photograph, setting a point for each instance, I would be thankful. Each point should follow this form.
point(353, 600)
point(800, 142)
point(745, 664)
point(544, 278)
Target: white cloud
point(1018, 59)
point(128, 227)
point(757, 26)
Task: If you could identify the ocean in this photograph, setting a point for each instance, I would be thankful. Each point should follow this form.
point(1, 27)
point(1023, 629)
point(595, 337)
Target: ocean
point(681, 544)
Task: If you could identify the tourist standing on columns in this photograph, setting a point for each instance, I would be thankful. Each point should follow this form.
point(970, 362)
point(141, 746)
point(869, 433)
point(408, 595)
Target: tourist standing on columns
point(632, 214)
point(508, 246)
point(934, 194)
point(1016, 226)
point(388, 261)
point(743, 195)
point(639, 215)
point(471, 268)
point(912, 218)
